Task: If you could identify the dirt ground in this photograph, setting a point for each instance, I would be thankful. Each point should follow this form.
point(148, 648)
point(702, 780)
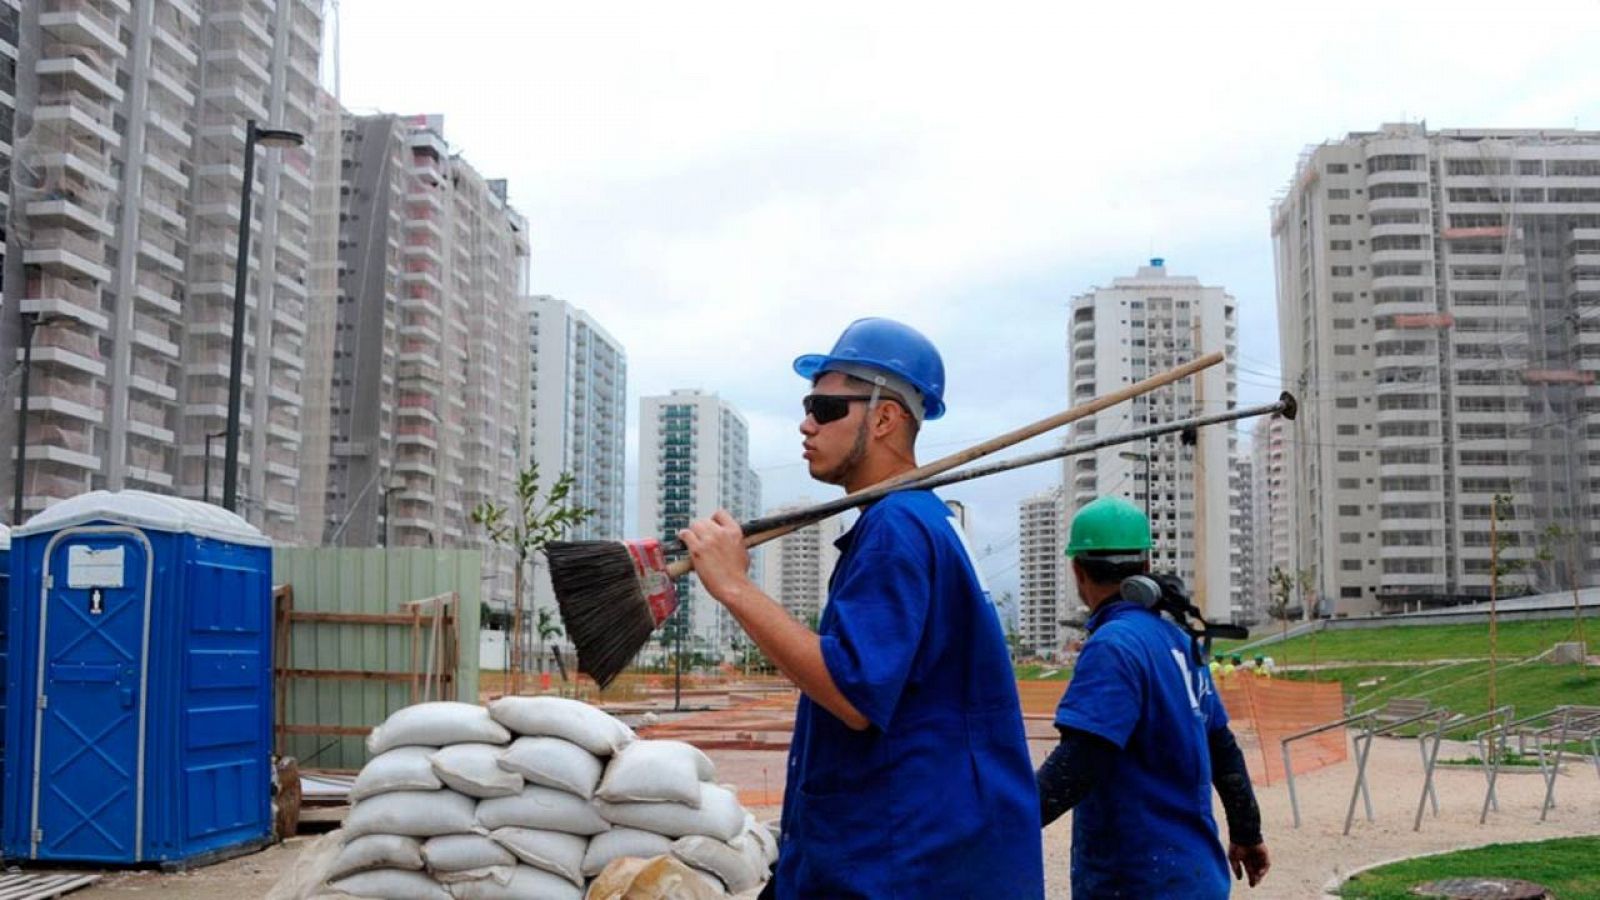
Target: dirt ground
point(1303, 860)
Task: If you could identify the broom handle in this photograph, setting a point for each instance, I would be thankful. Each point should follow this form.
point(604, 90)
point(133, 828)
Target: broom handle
point(759, 531)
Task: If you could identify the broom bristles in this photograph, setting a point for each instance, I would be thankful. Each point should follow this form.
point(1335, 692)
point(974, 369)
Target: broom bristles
point(602, 604)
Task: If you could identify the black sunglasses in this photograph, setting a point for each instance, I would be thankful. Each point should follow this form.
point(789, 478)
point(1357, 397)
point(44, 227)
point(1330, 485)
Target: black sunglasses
point(825, 408)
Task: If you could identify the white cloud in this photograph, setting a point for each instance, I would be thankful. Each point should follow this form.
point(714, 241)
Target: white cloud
point(726, 185)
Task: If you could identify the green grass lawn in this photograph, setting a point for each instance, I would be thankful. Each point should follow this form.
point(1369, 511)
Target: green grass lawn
point(1419, 642)
point(1566, 866)
point(1037, 672)
point(1464, 687)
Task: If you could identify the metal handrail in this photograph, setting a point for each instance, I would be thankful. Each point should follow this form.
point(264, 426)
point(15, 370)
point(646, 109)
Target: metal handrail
point(1431, 757)
point(1364, 749)
point(1288, 767)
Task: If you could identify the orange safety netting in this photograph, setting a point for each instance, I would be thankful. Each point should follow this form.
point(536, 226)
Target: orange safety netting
point(1263, 711)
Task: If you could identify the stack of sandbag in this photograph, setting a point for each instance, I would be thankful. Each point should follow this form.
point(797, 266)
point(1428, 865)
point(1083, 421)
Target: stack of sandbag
point(533, 797)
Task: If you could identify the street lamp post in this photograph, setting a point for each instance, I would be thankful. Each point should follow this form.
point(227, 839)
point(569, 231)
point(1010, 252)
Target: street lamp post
point(383, 512)
point(210, 436)
point(31, 322)
point(271, 137)
point(1145, 458)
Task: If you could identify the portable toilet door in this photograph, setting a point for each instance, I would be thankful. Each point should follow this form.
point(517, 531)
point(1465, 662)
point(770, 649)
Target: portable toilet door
point(90, 719)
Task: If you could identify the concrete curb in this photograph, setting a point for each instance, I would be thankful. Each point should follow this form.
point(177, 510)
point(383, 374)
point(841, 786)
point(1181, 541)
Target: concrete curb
point(1331, 886)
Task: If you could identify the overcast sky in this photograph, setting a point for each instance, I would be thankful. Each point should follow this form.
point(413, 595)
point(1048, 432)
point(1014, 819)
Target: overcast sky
point(726, 185)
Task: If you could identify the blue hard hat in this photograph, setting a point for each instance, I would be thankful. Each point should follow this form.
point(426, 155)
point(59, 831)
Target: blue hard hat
point(891, 346)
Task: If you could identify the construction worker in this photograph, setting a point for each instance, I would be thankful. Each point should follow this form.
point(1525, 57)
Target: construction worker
point(1260, 667)
point(1143, 735)
point(1215, 666)
point(909, 773)
point(1228, 667)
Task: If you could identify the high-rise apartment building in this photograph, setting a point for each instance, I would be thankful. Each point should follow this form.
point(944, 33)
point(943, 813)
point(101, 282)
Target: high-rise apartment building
point(577, 409)
point(1246, 605)
point(429, 351)
point(10, 19)
point(797, 566)
point(1041, 572)
point(694, 458)
point(124, 184)
point(1137, 327)
point(1434, 307)
point(1269, 449)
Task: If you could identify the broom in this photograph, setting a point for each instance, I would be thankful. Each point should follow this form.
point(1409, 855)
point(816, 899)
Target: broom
point(613, 594)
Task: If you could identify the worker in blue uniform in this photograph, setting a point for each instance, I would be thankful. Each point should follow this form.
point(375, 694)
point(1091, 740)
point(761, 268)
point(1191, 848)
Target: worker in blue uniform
point(1144, 738)
point(909, 773)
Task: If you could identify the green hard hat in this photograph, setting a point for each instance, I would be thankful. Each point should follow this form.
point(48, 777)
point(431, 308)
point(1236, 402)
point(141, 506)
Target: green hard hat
point(1108, 525)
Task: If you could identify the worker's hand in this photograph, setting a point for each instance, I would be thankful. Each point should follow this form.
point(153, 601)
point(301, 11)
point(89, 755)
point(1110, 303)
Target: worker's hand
point(716, 545)
point(1251, 861)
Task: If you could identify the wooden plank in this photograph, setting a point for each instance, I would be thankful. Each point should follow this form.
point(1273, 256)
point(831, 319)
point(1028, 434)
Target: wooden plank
point(340, 730)
point(336, 618)
point(347, 675)
point(42, 886)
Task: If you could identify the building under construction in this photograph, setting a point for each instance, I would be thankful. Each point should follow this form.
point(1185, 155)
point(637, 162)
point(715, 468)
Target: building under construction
point(1439, 319)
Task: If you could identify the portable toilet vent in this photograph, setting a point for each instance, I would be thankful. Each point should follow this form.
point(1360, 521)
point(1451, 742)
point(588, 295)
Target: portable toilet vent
point(139, 685)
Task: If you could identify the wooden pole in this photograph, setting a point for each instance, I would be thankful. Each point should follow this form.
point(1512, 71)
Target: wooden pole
point(684, 566)
point(1201, 583)
point(1577, 608)
point(1494, 583)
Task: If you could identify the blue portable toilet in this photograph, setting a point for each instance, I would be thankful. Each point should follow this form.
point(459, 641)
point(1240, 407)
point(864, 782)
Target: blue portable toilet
point(139, 708)
point(5, 587)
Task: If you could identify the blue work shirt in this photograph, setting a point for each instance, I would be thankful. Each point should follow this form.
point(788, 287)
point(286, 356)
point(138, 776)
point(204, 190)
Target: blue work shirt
point(935, 798)
point(1147, 830)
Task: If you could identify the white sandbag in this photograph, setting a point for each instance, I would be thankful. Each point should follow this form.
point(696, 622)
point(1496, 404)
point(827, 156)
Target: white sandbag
point(620, 842)
point(437, 724)
point(552, 851)
point(571, 720)
point(461, 852)
point(474, 770)
point(544, 808)
point(661, 878)
point(553, 762)
point(763, 837)
point(413, 813)
point(496, 874)
point(662, 771)
point(400, 769)
point(391, 884)
point(735, 866)
point(377, 851)
point(719, 816)
point(526, 883)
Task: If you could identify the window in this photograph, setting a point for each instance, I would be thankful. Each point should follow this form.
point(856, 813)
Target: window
point(1344, 349)
point(1339, 219)
point(1344, 323)
point(1350, 509)
point(1345, 403)
point(1343, 297)
point(1337, 168)
point(1342, 271)
point(1349, 456)
point(1349, 537)
point(1348, 430)
point(1350, 565)
point(1349, 484)
point(1350, 593)
point(1338, 193)
point(1338, 245)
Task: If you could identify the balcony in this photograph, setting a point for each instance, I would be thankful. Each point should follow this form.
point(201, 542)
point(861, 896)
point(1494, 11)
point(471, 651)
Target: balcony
point(68, 254)
point(80, 114)
point(79, 22)
point(69, 65)
point(64, 210)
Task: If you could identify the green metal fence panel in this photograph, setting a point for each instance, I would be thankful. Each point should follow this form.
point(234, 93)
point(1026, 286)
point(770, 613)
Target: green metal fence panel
point(372, 581)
